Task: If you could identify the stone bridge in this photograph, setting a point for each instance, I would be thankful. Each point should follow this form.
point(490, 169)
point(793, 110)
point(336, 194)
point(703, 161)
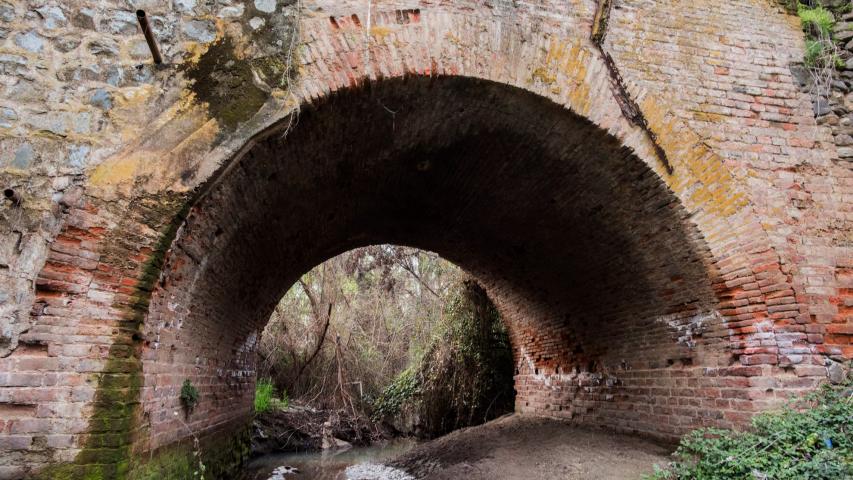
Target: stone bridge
point(641, 185)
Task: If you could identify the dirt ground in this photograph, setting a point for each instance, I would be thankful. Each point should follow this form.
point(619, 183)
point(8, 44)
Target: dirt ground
point(527, 448)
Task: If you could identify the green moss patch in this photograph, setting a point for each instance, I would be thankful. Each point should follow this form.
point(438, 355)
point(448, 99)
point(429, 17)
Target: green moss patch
point(235, 89)
point(114, 420)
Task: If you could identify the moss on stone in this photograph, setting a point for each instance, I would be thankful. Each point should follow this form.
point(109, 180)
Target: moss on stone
point(233, 88)
point(113, 423)
point(221, 454)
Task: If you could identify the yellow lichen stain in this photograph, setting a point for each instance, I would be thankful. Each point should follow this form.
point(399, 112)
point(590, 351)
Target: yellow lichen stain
point(708, 117)
point(716, 190)
point(195, 50)
point(115, 171)
point(568, 59)
point(450, 37)
point(163, 167)
point(133, 96)
point(542, 74)
point(187, 156)
point(557, 52)
point(713, 187)
point(379, 33)
point(151, 155)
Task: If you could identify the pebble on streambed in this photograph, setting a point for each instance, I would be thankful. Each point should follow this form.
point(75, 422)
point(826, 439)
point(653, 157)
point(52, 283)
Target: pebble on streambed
point(373, 471)
point(280, 472)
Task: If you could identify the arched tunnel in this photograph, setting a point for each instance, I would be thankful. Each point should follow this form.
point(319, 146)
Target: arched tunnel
point(646, 190)
point(591, 259)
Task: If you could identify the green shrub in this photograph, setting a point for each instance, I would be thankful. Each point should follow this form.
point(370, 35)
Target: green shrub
point(816, 17)
point(820, 50)
point(401, 390)
point(464, 377)
point(189, 396)
point(814, 52)
point(810, 438)
point(265, 398)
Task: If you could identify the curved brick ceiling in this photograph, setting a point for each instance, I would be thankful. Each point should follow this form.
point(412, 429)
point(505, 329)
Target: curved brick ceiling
point(578, 242)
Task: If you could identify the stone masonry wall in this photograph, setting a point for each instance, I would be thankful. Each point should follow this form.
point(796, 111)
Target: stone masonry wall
point(678, 299)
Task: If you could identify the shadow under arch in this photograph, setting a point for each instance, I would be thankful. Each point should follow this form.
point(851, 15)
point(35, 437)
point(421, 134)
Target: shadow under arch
point(591, 259)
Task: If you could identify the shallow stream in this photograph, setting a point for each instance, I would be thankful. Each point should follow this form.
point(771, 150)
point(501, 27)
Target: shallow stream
point(330, 465)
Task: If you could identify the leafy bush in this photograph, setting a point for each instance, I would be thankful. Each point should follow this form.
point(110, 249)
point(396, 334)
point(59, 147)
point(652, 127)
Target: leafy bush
point(465, 376)
point(401, 390)
point(189, 395)
point(821, 52)
point(265, 397)
point(810, 438)
point(816, 17)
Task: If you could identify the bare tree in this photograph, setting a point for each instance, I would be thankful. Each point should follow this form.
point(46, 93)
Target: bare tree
point(381, 304)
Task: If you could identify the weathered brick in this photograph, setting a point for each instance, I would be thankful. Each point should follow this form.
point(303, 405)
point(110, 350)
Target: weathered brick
point(648, 289)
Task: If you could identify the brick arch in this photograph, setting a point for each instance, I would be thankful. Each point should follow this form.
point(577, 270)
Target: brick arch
point(611, 290)
point(97, 280)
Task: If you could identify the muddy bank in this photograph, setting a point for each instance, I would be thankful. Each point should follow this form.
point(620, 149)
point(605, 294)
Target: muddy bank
point(304, 429)
point(524, 448)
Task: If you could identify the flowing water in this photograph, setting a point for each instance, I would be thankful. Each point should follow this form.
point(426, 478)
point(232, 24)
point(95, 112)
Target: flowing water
point(363, 462)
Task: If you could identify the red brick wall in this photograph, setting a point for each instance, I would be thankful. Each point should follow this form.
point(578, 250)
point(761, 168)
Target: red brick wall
point(637, 299)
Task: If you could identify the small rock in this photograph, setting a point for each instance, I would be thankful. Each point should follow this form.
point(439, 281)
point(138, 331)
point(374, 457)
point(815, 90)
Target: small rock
point(53, 16)
point(82, 123)
point(845, 152)
point(139, 50)
point(844, 35)
point(13, 65)
point(104, 46)
point(843, 140)
point(7, 117)
point(266, 6)
point(143, 4)
point(101, 99)
point(12, 59)
point(115, 75)
point(163, 28)
point(280, 472)
point(84, 18)
point(821, 107)
point(801, 74)
point(835, 372)
point(78, 156)
point(842, 26)
point(231, 12)
point(121, 22)
point(67, 43)
point(143, 75)
point(24, 156)
point(31, 41)
point(89, 72)
point(200, 30)
point(26, 90)
point(256, 23)
point(7, 12)
point(185, 5)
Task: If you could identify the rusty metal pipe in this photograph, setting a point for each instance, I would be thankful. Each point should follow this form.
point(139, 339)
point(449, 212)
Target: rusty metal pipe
point(149, 36)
